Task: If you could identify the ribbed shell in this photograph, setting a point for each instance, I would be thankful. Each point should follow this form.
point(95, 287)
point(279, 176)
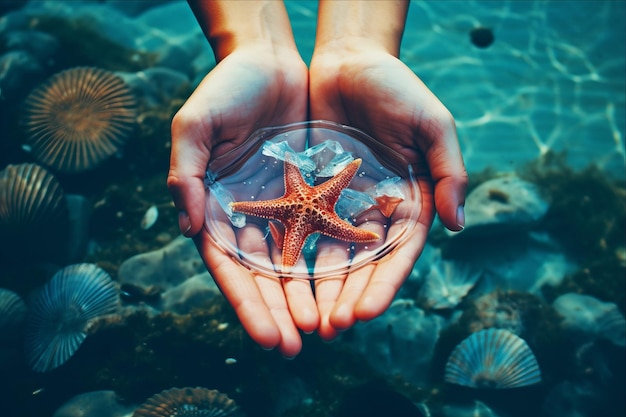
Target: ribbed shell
point(492, 358)
point(188, 402)
point(60, 313)
point(31, 198)
point(12, 313)
point(79, 118)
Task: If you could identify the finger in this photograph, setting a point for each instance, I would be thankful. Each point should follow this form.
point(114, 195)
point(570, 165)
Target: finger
point(251, 240)
point(188, 163)
point(240, 289)
point(342, 315)
point(301, 304)
point(272, 291)
point(327, 290)
point(447, 170)
point(389, 275)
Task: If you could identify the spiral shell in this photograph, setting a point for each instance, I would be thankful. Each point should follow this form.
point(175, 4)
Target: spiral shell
point(179, 402)
point(78, 118)
point(492, 358)
point(61, 311)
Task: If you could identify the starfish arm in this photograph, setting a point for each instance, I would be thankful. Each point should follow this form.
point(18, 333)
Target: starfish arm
point(293, 242)
point(294, 182)
point(332, 188)
point(268, 209)
point(340, 229)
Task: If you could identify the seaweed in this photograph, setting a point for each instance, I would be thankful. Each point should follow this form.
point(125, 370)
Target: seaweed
point(587, 216)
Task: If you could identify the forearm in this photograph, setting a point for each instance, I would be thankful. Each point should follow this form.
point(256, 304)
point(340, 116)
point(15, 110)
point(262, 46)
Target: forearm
point(229, 24)
point(355, 23)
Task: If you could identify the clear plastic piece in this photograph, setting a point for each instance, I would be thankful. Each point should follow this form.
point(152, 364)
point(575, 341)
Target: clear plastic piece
point(310, 200)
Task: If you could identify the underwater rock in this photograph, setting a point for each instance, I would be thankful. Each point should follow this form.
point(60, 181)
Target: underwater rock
point(399, 342)
point(492, 359)
point(183, 402)
point(94, 404)
point(19, 72)
point(502, 205)
point(40, 45)
point(191, 293)
point(155, 86)
point(524, 262)
point(591, 318)
point(166, 267)
point(60, 313)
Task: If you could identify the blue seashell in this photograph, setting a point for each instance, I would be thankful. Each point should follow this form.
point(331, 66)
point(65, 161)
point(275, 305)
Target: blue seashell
point(61, 312)
point(447, 283)
point(492, 358)
point(12, 314)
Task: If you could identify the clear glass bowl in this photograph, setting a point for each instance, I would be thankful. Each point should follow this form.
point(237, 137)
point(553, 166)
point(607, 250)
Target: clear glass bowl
point(383, 197)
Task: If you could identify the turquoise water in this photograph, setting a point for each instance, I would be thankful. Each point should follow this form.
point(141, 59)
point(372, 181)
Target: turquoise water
point(553, 79)
point(543, 256)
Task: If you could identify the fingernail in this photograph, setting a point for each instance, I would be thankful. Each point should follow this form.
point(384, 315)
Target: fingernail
point(460, 217)
point(184, 223)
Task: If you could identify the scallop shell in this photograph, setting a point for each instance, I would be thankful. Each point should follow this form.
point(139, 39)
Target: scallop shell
point(79, 118)
point(12, 313)
point(30, 198)
point(179, 402)
point(62, 310)
point(492, 358)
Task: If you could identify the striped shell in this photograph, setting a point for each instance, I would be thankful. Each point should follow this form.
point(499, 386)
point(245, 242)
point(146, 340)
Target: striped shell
point(196, 402)
point(78, 118)
point(12, 313)
point(492, 358)
point(31, 199)
point(61, 311)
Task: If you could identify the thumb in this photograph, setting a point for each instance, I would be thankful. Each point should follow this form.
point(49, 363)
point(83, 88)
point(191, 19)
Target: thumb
point(448, 172)
point(188, 163)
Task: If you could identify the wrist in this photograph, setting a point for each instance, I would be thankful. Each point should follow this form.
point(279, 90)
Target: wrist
point(356, 27)
point(234, 25)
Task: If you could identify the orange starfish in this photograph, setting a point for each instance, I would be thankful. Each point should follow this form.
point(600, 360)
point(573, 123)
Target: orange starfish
point(304, 210)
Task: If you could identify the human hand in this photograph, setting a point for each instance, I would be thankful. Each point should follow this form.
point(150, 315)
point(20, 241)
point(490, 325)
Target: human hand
point(367, 87)
point(252, 87)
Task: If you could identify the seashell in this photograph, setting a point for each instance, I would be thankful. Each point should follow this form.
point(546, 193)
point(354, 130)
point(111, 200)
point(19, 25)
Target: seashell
point(179, 402)
point(30, 198)
point(12, 313)
point(61, 312)
point(492, 358)
point(447, 283)
point(78, 118)
point(150, 217)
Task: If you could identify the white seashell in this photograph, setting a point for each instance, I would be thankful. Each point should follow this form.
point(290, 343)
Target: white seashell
point(492, 358)
point(150, 217)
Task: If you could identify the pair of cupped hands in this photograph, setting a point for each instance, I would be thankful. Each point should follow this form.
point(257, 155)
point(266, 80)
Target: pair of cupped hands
point(371, 90)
